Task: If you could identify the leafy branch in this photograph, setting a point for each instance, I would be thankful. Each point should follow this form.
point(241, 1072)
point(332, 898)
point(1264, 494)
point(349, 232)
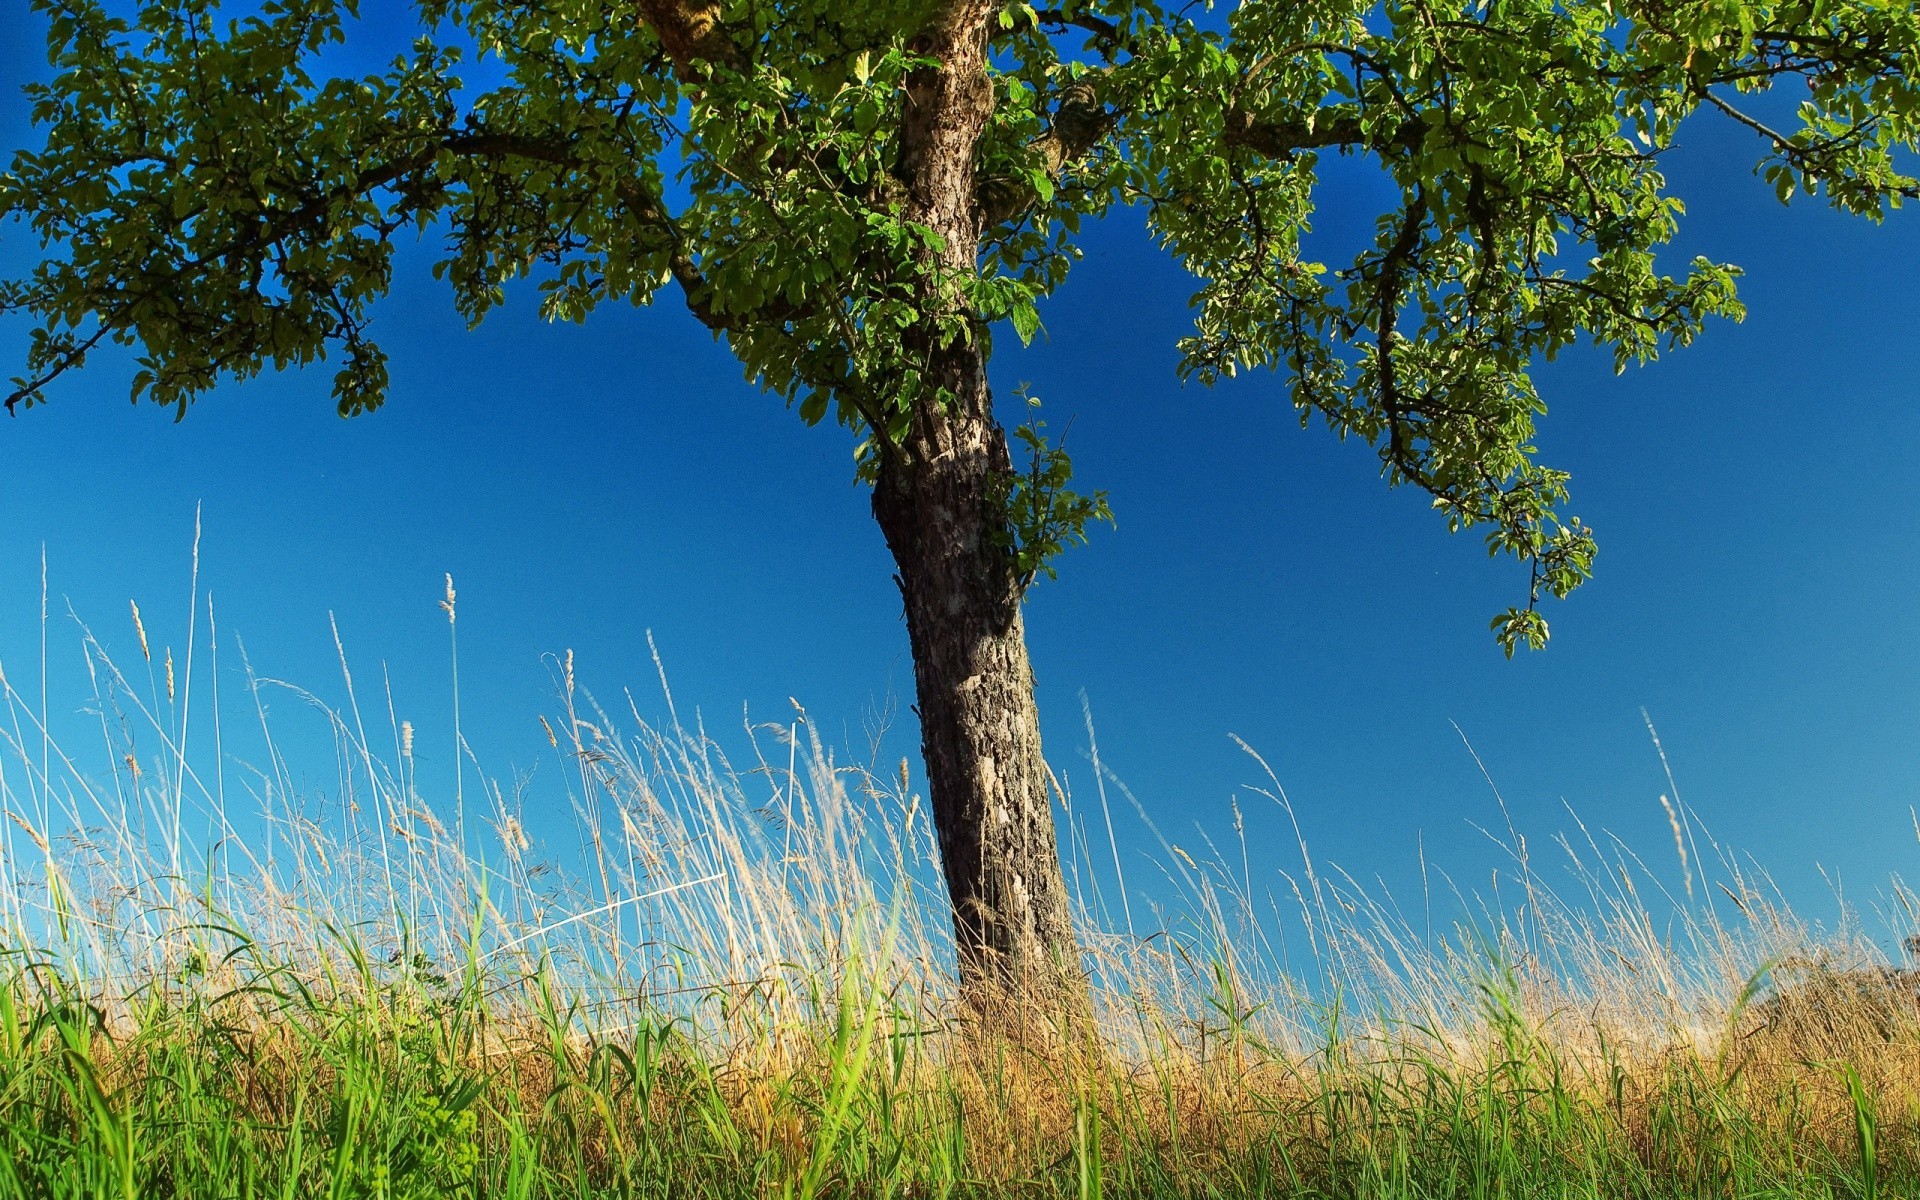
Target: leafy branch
point(1043, 515)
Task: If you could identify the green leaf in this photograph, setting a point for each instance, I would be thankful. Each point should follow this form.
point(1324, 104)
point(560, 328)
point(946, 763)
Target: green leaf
point(1026, 321)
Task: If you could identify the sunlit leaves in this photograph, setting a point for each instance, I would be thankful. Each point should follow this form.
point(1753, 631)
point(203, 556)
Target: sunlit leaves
point(1044, 514)
point(1522, 140)
point(215, 206)
point(208, 195)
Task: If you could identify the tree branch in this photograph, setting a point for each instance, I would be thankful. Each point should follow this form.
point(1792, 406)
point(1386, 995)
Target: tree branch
point(644, 207)
point(691, 33)
point(1282, 139)
point(1805, 158)
point(1104, 31)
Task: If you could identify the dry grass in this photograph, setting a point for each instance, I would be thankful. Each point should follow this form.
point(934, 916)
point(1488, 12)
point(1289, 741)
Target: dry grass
point(219, 981)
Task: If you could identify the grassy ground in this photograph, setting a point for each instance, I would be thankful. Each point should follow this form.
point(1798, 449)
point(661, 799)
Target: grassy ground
point(740, 989)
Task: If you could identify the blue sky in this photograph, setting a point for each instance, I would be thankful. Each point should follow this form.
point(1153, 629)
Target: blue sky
point(1757, 589)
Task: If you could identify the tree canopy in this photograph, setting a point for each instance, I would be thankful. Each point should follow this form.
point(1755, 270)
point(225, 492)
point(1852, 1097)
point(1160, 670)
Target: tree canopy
point(212, 196)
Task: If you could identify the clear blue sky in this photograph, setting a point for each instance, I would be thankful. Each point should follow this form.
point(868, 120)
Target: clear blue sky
point(1757, 590)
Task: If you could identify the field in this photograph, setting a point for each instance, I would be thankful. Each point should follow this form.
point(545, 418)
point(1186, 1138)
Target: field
point(221, 980)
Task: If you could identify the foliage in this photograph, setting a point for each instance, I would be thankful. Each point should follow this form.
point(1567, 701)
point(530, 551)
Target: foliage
point(1044, 515)
point(209, 193)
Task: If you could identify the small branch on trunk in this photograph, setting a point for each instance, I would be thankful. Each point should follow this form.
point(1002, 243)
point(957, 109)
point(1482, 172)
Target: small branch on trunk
point(691, 33)
point(1080, 121)
point(1283, 139)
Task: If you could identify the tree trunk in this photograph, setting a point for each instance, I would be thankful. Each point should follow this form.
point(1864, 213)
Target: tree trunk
point(934, 499)
point(980, 728)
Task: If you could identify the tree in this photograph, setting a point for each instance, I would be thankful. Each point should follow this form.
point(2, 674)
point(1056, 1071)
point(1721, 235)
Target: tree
point(858, 199)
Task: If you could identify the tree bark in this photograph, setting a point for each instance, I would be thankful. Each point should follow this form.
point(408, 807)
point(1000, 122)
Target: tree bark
point(935, 502)
point(980, 727)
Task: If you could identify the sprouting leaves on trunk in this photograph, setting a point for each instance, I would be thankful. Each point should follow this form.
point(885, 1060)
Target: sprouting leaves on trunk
point(1043, 515)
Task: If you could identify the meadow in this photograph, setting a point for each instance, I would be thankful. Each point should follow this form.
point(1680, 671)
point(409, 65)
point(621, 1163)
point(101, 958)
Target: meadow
point(219, 978)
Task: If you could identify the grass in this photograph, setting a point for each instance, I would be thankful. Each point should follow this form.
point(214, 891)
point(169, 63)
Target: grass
point(741, 989)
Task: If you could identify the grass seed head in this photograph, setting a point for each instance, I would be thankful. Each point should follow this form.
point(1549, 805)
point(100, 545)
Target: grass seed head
point(140, 630)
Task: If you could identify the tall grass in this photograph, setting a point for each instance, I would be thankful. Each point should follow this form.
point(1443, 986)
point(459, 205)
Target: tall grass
point(217, 979)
